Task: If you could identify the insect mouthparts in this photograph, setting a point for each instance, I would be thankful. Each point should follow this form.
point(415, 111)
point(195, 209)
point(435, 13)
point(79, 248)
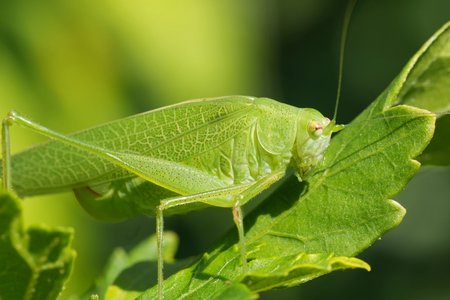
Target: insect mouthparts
point(332, 127)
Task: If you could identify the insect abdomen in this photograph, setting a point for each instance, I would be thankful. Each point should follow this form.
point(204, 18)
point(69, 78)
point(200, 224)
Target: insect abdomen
point(174, 133)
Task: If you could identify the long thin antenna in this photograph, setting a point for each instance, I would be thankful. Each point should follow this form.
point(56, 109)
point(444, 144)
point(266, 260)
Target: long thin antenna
point(348, 14)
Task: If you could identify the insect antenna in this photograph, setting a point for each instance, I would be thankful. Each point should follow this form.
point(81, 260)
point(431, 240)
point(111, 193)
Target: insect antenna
point(347, 17)
point(332, 127)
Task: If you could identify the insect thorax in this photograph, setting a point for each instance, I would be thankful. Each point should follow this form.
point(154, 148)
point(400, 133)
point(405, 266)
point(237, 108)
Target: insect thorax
point(258, 148)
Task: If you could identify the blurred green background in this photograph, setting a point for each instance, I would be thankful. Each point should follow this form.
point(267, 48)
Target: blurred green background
point(74, 64)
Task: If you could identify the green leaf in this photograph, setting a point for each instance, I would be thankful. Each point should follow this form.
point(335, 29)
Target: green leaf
point(232, 291)
point(34, 264)
point(343, 207)
point(126, 275)
point(425, 83)
point(236, 291)
point(291, 270)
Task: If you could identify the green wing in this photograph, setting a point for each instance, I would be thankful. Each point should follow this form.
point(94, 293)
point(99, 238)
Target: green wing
point(178, 133)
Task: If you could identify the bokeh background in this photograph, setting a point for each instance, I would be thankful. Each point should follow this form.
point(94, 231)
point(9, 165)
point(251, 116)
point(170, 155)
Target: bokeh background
point(75, 64)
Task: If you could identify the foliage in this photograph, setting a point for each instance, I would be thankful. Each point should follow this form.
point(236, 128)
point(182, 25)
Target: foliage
point(34, 263)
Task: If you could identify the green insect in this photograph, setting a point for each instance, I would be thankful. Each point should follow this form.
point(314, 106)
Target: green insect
point(219, 152)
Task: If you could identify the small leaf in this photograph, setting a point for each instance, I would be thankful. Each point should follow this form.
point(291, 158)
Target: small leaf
point(126, 275)
point(425, 83)
point(236, 291)
point(34, 264)
point(116, 293)
point(291, 270)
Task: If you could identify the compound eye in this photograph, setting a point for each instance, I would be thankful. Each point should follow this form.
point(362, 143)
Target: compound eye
point(315, 128)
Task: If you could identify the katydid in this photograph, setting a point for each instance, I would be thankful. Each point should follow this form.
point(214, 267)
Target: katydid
point(219, 152)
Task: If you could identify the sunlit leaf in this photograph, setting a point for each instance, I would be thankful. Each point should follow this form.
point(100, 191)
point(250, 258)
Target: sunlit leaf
point(34, 263)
